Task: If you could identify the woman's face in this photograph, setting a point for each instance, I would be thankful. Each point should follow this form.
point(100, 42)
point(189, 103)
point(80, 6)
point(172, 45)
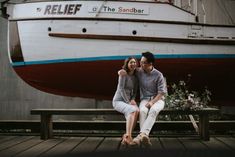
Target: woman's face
point(132, 64)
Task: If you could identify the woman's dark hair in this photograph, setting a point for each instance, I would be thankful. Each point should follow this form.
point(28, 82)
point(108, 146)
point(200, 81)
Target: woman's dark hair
point(149, 56)
point(127, 60)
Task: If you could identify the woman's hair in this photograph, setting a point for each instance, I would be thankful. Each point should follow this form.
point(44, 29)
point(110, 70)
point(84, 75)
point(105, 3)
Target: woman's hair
point(127, 60)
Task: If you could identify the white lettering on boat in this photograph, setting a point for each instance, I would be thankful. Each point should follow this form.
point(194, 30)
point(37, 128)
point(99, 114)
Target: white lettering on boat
point(68, 9)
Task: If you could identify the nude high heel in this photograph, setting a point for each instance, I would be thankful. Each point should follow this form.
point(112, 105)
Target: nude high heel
point(124, 140)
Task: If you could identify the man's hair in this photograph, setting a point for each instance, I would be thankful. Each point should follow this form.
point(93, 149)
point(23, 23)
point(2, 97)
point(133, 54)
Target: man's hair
point(149, 56)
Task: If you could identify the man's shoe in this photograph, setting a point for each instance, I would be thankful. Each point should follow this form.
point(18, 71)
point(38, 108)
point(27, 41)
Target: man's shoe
point(136, 141)
point(145, 141)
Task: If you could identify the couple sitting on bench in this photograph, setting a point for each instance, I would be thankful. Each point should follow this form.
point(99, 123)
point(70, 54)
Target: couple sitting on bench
point(152, 90)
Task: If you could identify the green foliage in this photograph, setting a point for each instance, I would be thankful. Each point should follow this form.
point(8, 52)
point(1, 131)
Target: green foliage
point(183, 98)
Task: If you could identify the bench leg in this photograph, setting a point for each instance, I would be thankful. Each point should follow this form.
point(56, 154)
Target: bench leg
point(46, 127)
point(204, 127)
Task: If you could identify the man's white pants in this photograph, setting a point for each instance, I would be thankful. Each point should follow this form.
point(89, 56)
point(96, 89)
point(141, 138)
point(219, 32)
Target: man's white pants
point(148, 116)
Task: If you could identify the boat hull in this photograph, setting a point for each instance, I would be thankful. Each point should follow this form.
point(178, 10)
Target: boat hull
point(98, 79)
point(75, 48)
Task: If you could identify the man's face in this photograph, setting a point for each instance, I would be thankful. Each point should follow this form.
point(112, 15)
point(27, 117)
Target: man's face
point(144, 63)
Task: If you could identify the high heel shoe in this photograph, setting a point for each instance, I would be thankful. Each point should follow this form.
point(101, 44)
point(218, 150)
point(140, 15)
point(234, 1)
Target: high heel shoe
point(124, 140)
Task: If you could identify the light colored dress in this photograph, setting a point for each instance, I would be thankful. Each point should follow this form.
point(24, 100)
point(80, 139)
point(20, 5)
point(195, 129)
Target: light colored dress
point(126, 91)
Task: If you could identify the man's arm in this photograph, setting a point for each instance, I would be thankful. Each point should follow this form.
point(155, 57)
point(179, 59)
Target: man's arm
point(162, 90)
point(154, 100)
point(122, 72)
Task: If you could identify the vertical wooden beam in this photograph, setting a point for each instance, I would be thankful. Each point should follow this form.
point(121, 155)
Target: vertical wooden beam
point(50, 126)
point(204, 126)
point(46, 126)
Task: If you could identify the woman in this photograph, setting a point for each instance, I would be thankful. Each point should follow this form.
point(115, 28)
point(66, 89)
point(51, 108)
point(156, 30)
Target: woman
point(124, 98)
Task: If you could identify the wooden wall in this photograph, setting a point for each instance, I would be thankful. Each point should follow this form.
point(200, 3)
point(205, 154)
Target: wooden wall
point(17, 97)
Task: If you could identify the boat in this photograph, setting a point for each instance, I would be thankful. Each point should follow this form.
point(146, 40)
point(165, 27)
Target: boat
point(75, 48)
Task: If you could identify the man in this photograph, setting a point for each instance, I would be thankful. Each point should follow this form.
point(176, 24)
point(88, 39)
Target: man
point(152, 91)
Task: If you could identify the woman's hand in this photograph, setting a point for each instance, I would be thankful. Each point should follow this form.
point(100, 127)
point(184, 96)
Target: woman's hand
point(133, 102)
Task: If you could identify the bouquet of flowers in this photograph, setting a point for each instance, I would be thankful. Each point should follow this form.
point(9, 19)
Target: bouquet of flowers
point(182, 98)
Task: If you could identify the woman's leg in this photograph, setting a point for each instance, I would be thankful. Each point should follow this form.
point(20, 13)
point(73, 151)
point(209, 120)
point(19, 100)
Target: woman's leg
point(129, 125)
point(136, 116)
point(130, 113)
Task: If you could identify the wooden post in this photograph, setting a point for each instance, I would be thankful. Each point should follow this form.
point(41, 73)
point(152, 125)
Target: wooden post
point(46, 126)
point(204, 126)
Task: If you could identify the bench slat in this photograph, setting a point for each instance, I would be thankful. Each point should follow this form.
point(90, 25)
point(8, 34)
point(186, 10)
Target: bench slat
point(113, 112)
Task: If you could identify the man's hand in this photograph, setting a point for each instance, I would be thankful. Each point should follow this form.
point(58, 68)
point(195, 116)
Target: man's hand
point(154, 100)
point(149, 104)
point(122, 72)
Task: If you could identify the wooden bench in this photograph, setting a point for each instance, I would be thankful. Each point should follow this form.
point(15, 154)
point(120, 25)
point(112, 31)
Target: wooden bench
point(46, 124)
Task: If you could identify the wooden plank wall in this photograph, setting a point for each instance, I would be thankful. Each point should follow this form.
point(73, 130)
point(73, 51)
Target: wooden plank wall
point(17, 98)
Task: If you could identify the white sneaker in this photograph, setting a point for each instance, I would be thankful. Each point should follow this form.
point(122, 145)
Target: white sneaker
point(145, 141)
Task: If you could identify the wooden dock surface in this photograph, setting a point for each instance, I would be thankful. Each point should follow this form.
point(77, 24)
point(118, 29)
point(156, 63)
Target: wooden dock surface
point(27, 146)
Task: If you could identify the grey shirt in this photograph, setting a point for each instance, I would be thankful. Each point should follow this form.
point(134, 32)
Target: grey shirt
point(126, 89)
point(151, 83)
